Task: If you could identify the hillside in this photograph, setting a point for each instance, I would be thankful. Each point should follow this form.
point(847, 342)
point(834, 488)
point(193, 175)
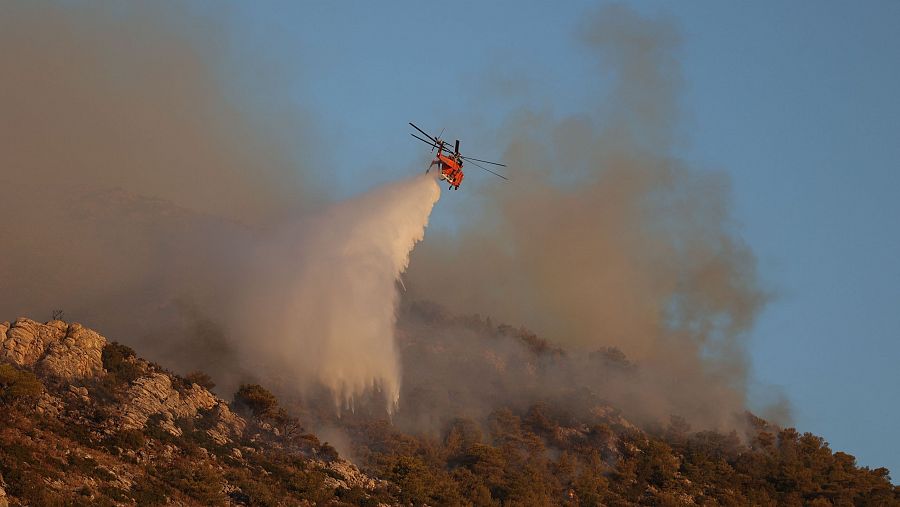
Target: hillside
point(88, 422)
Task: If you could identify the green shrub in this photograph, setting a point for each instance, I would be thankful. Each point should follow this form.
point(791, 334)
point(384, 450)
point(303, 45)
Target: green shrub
point(257, 399)
point(118, 361)
point(18, 385)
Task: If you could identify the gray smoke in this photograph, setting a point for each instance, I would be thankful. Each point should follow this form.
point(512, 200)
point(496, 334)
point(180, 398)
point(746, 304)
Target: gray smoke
point(604, 240)
point(143, 203)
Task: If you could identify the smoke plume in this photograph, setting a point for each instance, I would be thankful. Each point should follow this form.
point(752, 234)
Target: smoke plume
point(603, 239)
point(129, 177)
point(143, 202)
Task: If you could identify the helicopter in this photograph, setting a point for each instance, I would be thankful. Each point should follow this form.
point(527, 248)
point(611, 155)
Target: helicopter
point(450, 164)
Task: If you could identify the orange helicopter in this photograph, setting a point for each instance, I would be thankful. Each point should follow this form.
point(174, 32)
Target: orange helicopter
point(450, 164)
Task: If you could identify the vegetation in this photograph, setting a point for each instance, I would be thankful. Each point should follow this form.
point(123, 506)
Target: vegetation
point(257, 400)
point(68, 450)
point(200, 378)
point(118, 360)
point(522, 460)
point(18, 386)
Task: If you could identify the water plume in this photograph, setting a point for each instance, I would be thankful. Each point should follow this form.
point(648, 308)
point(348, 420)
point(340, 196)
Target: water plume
point(321, 301)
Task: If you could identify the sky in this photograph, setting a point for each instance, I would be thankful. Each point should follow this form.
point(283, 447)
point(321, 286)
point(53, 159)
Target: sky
point(795, 102)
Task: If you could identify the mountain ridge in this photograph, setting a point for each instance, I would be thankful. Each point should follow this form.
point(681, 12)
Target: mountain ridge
point(88, 422)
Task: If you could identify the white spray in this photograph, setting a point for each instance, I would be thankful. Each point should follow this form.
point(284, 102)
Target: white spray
point(320, 306)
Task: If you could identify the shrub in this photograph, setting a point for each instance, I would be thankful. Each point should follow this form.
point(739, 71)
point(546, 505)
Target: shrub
point(118, 360)
point(327, 452)
point(84, 465)
point(199, 481)
point(149, 491)
point(200, 378)
point(154, 429)
point(18, 385)
point(126, 439)
point(257, 399)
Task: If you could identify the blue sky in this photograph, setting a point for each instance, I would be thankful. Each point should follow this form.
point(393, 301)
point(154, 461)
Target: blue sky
point(796, 101)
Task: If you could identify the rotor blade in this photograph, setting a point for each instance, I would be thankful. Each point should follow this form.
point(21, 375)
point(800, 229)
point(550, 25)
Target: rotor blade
point(423, 132)
point(488, 170)
point(441, 149)
point(483, 161)
point(433, 145)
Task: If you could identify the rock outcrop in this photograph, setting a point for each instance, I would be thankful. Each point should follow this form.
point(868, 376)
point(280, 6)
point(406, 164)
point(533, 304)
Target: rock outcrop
point(154, 394)
point(26, 341)
point(72, 351)
point(351, 476)
point(78, 355)
point(67, 351)
point(228, 424)
point(103, 408)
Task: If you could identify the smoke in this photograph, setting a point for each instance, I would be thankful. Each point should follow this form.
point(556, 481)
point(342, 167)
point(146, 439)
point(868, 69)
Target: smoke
point(603, 239)
point(141, 201)
point(144, 203)
point(132, 97)
point(322, 295)
point(128, 175)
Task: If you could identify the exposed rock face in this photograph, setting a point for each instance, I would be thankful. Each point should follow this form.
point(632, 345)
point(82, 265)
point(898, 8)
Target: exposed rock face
point(78, 355)
point(154, 394)
point(352, 477)
point(228, 424)
point(95, 460)
point(55, 348)
point(25, 342)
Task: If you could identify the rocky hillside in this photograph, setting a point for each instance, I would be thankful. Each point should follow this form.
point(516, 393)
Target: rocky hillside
point(87, 422)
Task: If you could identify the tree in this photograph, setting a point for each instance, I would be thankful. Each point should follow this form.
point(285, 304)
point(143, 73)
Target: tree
point(257, 399)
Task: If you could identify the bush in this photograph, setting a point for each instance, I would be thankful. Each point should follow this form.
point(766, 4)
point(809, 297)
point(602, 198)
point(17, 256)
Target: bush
point(198, 481)
point(18, 385)
point(200, 378)
point(118, 361)
point(327, 452)
point(127, 439)
point(149, 491)
point(257, 399)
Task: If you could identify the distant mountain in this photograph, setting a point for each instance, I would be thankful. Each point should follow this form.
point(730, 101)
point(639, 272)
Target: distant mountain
point(86, 421)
